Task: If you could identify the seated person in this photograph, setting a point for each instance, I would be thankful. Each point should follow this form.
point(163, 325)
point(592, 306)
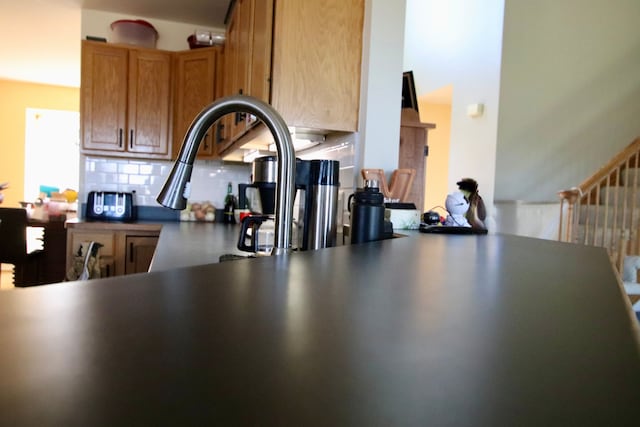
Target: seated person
point(477, 212)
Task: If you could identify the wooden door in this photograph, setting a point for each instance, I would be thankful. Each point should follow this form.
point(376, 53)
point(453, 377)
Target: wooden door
point(103, 96)
point(413, 153)
point(149, 112)
point(139, 253)
point(195, 89)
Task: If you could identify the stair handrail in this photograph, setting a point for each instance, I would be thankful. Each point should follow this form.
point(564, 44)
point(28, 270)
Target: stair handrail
point(570, 197)
point(604, 210)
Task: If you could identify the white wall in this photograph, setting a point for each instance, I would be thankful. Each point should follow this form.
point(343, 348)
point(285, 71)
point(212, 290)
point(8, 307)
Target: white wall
point(381, 86)
point(39, 42)
point(459, 42)
point(570, 91)
point(172, 35)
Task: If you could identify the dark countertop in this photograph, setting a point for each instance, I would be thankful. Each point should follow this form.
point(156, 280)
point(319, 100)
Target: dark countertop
point(425, 330)
point(184, 244)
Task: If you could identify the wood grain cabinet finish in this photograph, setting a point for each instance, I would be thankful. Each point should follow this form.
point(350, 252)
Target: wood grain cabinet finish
point(317, 51)
point(139, 253)
point(126, 248)
point(197, 84)
point(76, 238)
point(413, 153)
point(237, 74)
point(303, 57)
point(125, 101)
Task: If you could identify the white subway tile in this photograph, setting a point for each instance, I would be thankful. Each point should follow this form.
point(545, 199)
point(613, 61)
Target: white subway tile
point(131, 169)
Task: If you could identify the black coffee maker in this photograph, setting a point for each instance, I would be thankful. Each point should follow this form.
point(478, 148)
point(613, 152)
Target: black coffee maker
point(317, 183)
point(260, 195)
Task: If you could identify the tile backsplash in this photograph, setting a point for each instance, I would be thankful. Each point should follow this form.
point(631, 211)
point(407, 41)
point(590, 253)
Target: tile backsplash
point(209, 179)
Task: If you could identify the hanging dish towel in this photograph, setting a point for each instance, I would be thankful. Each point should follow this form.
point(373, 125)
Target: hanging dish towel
point(86, 263)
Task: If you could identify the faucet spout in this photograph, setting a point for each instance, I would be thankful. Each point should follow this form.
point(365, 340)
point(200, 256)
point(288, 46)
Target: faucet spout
point(176, 190)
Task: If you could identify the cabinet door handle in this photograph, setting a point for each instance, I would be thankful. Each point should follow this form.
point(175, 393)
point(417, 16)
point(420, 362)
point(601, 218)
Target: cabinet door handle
point(206, 141)
point(131, 138)
point(120, 137)
point(239, 116)
point(219, 131)
point(131, 252)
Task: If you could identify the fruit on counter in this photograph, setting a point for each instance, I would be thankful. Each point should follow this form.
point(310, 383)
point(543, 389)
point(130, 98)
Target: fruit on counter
point(199, 211)
point(70, 195)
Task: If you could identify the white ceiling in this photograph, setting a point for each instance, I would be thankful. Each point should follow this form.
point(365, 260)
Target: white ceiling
point(40, 39)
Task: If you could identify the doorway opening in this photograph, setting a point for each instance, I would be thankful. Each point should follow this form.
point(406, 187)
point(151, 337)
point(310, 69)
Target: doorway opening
point(52, 154)
point(435, 107)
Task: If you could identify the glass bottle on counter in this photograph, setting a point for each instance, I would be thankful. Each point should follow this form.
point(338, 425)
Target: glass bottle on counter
point(230, 204)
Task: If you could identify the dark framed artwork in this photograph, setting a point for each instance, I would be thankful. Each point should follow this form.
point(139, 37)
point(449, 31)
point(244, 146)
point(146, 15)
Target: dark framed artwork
point(409, 98)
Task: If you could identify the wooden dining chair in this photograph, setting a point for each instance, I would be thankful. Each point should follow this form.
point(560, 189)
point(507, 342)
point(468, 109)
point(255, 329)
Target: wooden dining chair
point(399, 186)
point(27, 269)
point(378, 175)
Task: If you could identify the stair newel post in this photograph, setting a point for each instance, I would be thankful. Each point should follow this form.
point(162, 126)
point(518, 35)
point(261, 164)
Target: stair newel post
point(567, 213)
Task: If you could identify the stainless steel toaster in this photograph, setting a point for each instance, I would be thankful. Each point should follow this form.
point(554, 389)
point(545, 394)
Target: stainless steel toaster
point(110, 206)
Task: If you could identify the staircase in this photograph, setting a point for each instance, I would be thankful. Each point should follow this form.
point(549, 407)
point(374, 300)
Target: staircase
point(605, 211)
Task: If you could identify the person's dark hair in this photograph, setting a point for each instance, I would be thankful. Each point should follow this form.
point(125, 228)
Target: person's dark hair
point(468, 184)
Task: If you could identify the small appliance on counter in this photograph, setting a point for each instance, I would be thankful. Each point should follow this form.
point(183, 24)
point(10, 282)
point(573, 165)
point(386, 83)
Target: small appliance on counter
point(315, 227)
point(260, 195)
point(403, 216)
point(110, 206)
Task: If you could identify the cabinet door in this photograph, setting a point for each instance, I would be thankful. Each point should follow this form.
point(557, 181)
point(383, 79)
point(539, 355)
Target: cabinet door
point(238, 61)
point(75, 238)
point(139, 253)
point(317, 50)
point(230, 55)
point(412, 152)
point(103, 96)
point(260, 78)
point(149, 102)
point(195, 89)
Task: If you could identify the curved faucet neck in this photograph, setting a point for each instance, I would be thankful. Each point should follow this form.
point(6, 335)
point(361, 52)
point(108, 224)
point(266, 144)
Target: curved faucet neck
point(176, 190)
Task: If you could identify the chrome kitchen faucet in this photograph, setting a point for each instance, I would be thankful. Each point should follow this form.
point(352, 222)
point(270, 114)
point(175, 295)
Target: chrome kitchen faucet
point(175, 192)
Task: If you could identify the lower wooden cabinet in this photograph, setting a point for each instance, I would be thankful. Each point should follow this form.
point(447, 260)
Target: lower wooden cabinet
point(126, 248)
point(139, 253)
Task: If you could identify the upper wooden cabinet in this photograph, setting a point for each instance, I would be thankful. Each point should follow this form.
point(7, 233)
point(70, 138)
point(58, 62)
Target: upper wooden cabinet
point(125, 101)
point(197, 84)
point(301, 56)
point(238, 64)
point(317, 51)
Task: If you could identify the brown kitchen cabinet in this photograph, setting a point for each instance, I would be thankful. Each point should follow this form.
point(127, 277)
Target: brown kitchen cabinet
point(139, 253)
point(125, 101)
point(75, 238)
point(126, 248)
point(317, 52)
point(197, 84)
point(302, 57)
point(238, 51)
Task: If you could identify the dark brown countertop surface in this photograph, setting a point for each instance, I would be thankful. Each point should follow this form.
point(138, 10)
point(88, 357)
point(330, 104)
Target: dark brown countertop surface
point(184, 244)
point(425, 330)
